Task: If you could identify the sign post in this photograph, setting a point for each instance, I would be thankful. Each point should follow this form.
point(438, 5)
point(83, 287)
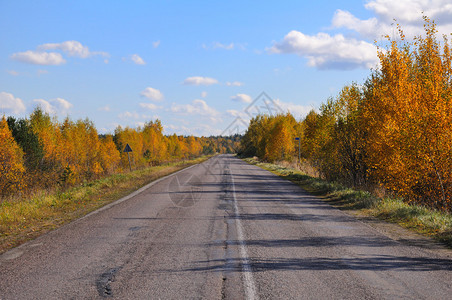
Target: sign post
point(128, 149)
point(299, 154)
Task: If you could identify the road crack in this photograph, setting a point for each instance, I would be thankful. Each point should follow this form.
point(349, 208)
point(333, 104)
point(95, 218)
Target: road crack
point(103, 283)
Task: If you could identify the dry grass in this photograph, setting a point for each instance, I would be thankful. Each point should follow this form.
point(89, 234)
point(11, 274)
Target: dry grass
point(22, 219)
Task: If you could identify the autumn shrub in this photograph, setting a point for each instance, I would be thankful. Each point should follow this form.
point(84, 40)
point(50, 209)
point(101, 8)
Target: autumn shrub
point(11, 161)
point(39, 152)
point(394, 131)
point(408, 115)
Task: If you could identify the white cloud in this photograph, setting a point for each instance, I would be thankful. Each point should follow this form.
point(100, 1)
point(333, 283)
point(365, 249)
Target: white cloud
point(218, 45)
point(197, 130)
point(72, 48)
point(104, 108)
point(324, 51)
point(140, 124)
point(244, 98)
point(234, 83)
point(368, 28)
point(156, 44)
point(58, 106)
point(39, 58)
point(224, 46)
point(42, 72)
point(62, 104)
point(204, 94)
point(11, 104)
point(198, 80)
point(150, 106)
point(129, 115)
point(197, 107)
point(43, 57)
point(152, 94)
point(408, 13)
point(236, 113)
point(298, 111)
point(137, 59)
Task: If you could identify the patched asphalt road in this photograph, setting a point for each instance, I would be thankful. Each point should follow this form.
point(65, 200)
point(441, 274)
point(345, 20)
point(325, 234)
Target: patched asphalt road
point(223, 230)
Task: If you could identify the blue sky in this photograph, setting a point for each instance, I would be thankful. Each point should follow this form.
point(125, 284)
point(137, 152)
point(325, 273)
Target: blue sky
point(195, 65)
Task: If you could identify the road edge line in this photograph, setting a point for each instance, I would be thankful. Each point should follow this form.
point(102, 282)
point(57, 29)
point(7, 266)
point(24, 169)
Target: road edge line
point(250, 287)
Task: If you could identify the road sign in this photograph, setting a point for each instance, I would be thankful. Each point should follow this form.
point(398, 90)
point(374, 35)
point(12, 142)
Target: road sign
point(299, 153)
point(127, 149)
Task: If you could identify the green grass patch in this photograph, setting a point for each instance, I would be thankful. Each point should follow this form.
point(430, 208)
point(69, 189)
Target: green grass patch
point(22, 219)
point(423, 220)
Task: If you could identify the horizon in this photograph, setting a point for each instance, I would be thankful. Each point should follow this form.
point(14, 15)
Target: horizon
point(196, 67)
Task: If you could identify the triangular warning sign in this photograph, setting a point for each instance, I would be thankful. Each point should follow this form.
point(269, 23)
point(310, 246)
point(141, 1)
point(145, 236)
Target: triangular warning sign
point(127, 148)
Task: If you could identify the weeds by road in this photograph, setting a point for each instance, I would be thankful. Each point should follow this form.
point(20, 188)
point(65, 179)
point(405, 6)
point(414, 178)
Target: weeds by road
point(423, 220)
point(24, 219)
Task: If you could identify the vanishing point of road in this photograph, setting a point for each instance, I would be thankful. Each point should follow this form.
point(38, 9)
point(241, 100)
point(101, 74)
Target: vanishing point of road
point(224, 229)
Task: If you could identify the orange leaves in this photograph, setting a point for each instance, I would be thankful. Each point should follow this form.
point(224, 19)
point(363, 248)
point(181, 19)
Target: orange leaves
point(409, 119)
point(280, 143)
point(271, 137)
point(396, 130)
point(109, 155)
point(11, 161)
point(68, 152)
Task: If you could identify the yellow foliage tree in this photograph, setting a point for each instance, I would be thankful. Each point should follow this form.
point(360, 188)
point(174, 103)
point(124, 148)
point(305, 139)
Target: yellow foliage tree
point(11, 162)
point(409, 119)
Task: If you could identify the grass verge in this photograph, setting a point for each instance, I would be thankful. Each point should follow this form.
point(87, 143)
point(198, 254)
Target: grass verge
point(435, 224)
point(24, 219)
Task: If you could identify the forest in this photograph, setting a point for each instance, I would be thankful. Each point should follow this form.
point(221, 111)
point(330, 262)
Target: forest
point(394, 131)
point(39, 152)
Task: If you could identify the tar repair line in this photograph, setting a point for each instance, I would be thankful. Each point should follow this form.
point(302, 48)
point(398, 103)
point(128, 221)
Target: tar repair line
point(250, 288)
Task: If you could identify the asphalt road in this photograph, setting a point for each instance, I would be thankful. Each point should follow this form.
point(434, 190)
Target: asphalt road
point(223, 229)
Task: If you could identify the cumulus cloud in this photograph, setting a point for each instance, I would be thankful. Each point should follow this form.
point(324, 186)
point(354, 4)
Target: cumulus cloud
point(72, 48)
point(11, 104)
point(42, 57)
point(196, 130)
point(234, 83)
point(204, 94)
point(368, 28)
point(149, 106)
point(137, 59)
point(238, 113)
point(39, 58)
point(152, 94)
point(156, 44)
point(324, 51)
point(244, 98)
point(408, 13)
point(199, 80)
point(197, 107)
point(339, 51)
point(58, 106)
point(129, 115)
point(297, 110)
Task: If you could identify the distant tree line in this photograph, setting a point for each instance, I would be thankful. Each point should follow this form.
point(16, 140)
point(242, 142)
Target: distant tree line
point(40, 152)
